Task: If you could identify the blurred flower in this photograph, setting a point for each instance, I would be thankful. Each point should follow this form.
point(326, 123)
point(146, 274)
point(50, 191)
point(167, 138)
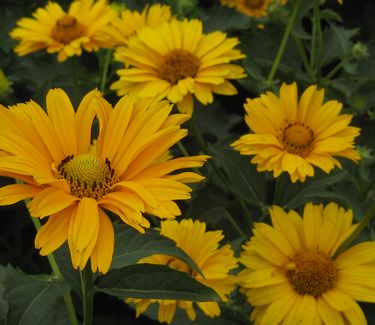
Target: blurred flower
point(130, 22)
point(176, 60)
point(65, 33)
point(292, 277)
point(252, 8)
point(74, 182)
point(203, 248)
point(293, 136)
point(5, 85)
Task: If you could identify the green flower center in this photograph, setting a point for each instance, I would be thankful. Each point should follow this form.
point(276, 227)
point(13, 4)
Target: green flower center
point(177, 65)
point(297, 139)
point(87, 175)
point(311, 273)
point(67, 29)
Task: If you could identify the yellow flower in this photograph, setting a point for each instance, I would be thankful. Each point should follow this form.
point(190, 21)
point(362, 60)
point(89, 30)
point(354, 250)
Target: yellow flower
point(292, 277)
point(292, 136)
point(65, 33)
point(74, 183)
point(132, 21)
point(252, 8)
point(203, 248)
point(176, 60)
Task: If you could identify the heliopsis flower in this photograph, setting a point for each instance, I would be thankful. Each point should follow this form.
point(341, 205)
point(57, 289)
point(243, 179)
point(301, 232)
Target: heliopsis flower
point(294, 135)
point(130, 21)
point(65, 33)
point(176, 60)
point(214, 262)
point(292, 276)
point(252, 8)
point(73, 183)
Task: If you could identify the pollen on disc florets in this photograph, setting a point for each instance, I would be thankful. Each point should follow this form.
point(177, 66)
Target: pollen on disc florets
point(311, 273)
point(87, 175)
point(297, 139)
point(178, 64)
point(67, 29)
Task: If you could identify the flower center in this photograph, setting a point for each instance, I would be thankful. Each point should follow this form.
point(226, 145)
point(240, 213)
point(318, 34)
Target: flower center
point(178, 64)
point(297, 139)
point(254, 4)
point(87, 176)
point(67, 29)
point(311, 273)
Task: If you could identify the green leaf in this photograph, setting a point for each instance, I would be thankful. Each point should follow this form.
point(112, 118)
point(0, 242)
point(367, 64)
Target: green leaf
point(3, 303)
point(131, 246)
point(329, 14)
point(243, 179)
point(31, 297)
point(149, 281)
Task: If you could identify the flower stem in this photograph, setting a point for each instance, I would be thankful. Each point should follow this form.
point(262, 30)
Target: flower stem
point(183, 150)
point(303, 55)
point(87, 294)
point(56, 271)
point(103, 79)
point(317, 41)
point(283, 43)
point(363, 223)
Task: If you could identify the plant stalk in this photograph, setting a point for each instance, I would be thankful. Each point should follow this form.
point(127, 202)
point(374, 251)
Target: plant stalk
point(87, 284)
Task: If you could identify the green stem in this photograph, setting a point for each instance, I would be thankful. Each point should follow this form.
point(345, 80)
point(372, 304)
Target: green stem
point(56, 271)
point(283, 43)
point(363, 223)
point(318, 39)
point(234, 224)
point(303, 55)
point(87, 294)
point(334, 71)
point(103, 79)
point(74, 77)
point(186, 154)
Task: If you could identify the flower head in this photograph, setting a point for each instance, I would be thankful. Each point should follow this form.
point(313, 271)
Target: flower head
point(292, 277)
point(252, 8)
point(130, 22)
point(293, 136)
point(203, 248)
point(65, 33)
point(73, 183)
point(176, 60)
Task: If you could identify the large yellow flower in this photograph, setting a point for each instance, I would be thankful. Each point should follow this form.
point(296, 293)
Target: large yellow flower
point(130, 22)
point(203, 248)
point(65, 33)
point(176, 60)
point(293, 135)
point(292, 277)
point(127, 173)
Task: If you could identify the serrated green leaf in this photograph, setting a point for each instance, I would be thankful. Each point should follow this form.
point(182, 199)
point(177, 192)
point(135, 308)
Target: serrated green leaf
point(149, 281)
point(329, 14)
point(243, 179)
point(131, 246)
point(31, 297)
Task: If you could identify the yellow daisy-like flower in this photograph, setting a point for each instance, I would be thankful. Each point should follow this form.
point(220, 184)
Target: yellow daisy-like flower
point(252, 8)
point(74, 183)
point(294, 135)
point(130, 22)
point(176, 60)
point(292, 277)
point(65, 33)
point(203, 248)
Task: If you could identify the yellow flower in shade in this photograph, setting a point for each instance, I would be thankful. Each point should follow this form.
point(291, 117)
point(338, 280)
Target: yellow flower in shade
point(176, 60)
point(252, 8)
point(292, 277)
point(203, 248)
point(65, 33)
point(131, 21)
point(294, 135)
point(73, 183)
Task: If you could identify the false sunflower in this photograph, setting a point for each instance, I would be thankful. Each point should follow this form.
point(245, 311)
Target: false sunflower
point(252, 8)
point(72, 183)
point(292, 276)
point(203, 248)
point(176, 60)
point(65, 33)
point(294, 135)
point(130, 21)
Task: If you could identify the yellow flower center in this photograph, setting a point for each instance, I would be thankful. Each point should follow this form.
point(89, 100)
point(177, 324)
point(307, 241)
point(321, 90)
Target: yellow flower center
point(87, 176)
point(311, 273)
point(178, 64)
point(67, 29)
point(254, 4)
point(297, 139)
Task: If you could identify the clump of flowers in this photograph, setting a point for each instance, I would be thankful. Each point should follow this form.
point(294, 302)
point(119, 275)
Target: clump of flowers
point(64, 33)
point(203, 248)
point(292, 275)
point(176, 60)
point(294, 135)
point(73, 184)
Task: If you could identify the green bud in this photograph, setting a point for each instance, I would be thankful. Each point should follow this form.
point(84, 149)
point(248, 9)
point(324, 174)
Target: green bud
point(359, 51)
point(118, 6)
point(185, 7)
point(5, 85)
